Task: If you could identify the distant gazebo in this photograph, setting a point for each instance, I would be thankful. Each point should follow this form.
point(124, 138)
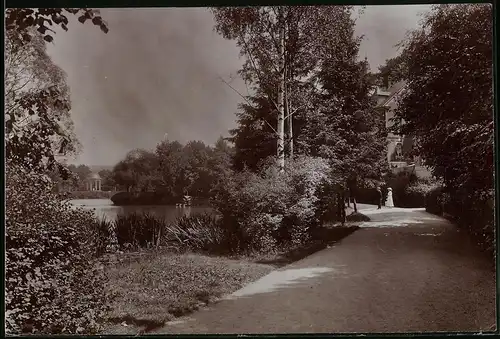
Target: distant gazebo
point(93, 183)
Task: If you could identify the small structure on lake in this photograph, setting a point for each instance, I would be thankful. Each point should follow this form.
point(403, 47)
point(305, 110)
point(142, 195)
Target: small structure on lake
point(186, 201)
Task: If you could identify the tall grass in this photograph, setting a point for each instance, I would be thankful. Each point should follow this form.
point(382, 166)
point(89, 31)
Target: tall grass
point(139, 230)
point(202, 232)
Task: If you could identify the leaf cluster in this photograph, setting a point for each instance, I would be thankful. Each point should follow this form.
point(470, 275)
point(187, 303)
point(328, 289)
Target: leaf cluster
point(19, 21)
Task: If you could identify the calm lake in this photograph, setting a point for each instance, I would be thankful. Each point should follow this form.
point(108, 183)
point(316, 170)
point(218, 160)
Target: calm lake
point(104, 208)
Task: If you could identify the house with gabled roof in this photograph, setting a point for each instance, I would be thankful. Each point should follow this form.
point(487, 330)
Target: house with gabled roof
point(399, 147)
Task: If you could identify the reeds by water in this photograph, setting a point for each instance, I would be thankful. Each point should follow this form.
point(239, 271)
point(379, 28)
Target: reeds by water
point(200, 232)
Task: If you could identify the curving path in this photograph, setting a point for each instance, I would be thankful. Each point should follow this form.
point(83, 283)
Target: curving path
point(404, 271)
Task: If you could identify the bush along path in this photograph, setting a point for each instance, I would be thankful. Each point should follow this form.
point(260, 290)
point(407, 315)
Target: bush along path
point(404, 271)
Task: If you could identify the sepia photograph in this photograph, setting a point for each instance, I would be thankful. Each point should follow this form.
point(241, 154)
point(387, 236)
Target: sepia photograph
point(250, 170)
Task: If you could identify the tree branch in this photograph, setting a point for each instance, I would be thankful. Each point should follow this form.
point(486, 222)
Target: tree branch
point(244, 98)
point(256, 70)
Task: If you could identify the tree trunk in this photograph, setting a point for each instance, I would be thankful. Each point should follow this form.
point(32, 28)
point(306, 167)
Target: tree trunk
point(289, 117)
point(281, 93)
point(290, 128)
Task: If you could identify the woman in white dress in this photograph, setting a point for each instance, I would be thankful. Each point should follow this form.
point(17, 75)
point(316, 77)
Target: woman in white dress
point(388, 201)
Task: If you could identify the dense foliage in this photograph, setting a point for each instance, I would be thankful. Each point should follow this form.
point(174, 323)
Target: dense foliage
point(277, 43)
point(53, 280)
point(173, 170)
point(448, 106)
point(266, 209)
point(392, 71)
point(345, 128)
point(38, 124)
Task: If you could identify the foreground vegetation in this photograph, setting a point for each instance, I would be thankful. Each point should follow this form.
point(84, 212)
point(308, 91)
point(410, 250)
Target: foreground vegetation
point(150, 288)
point(55, 283)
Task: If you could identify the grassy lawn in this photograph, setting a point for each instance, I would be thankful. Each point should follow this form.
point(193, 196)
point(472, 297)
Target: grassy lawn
point(152, 288)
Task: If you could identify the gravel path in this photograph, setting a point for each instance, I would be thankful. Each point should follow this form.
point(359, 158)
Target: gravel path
point(404, 271)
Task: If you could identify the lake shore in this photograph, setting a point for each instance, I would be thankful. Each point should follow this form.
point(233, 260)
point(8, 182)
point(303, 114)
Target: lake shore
point(90, 195)
point(155, 198)
point(104, 208)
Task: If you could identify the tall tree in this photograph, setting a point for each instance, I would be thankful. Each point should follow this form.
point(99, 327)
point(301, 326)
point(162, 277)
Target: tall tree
point(278, 44)
point(254, 138)
point(144, 165)
point(344, 126)
point(38, 122)
point(83, 172)
point(220, 164)
point(139, 171)
point(448, 103)
point(38, 125)
point(222, 156)
point(171, 166)
point(123, 176)
point(197, 171)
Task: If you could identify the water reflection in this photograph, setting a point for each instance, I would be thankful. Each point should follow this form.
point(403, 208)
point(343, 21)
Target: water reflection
point(104, 208)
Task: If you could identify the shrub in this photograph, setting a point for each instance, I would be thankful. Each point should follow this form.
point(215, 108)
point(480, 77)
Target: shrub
point(399, 183)
point(251, 207)
point(475, 214)
point(415, 194)
point(54, 283)
point(357, 217)
point(433, 200)
point(408, 191)
point(368, 195)
point(271, 207)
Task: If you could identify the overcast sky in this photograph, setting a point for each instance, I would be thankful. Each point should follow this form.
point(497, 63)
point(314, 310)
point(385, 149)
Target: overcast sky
point(157, 70)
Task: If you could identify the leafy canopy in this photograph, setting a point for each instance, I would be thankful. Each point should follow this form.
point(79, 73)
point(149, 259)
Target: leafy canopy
point(449, 98)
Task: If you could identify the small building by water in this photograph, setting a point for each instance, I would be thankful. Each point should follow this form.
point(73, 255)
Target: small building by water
point(93, 183)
